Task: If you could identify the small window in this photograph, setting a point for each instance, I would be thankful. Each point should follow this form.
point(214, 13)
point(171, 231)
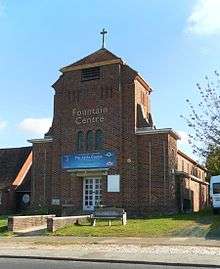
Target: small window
point(90, 73)
point(99, 140)
point(89, 140)
point(80, 141)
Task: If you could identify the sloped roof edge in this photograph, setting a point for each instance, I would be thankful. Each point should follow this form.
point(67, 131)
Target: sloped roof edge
point(23, 171)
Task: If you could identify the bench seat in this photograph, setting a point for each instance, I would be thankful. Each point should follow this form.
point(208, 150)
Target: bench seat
point(109, 213)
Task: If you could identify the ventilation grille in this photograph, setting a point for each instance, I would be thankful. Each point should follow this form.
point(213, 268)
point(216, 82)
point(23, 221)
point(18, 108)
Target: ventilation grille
point(90, 73)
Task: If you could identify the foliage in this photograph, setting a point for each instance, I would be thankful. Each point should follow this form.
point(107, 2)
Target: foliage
point(3, 226)
point(204, 119)
point(213, 162)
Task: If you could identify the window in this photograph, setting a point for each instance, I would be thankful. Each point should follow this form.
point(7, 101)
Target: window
point(89, 140)
point(80, 141)
point(90, 73)
point(99, 139)
point(183, 165)
point(216, 188)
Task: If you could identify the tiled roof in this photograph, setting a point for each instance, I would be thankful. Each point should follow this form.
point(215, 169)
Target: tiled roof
point(100, 55)
point(11, 162)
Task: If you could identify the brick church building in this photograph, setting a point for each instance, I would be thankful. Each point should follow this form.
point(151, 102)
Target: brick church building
point(103, 147)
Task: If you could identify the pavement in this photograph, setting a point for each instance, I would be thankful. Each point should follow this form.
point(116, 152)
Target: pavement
point(6, 263)
point(181, 251)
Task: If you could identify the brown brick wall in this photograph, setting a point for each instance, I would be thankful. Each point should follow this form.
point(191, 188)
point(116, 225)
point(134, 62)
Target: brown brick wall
point(8, 203)
point(41, 186)
point(156, 182)
point(17, 223)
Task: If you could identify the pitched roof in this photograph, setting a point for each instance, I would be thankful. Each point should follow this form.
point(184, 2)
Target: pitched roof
point(100, 56)
point(12, 161)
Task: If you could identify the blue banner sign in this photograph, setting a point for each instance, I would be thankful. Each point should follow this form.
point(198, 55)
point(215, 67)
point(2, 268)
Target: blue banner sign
point(103, 159)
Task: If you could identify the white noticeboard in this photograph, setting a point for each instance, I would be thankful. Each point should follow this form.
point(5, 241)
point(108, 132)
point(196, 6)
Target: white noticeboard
point(113, 183)
point(55, 201)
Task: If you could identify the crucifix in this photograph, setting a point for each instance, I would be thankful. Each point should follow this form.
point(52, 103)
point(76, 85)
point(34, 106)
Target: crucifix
point(103, 37)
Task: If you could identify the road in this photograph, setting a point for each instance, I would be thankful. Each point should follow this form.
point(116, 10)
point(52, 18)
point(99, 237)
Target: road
point(11, 263)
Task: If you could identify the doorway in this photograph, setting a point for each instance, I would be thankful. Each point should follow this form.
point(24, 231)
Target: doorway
point(91, 193)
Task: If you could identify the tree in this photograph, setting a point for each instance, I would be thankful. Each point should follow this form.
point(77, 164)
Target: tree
point(213, 162)
point(204, 118)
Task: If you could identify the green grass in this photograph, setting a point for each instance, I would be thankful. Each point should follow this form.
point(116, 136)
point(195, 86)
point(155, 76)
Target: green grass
point(203, 224)
point(3, 226)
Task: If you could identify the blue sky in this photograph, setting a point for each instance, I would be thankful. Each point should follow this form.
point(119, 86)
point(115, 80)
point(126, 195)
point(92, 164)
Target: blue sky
point(173, 44)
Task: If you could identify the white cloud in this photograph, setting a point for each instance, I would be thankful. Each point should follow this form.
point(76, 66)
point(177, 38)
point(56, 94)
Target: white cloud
point(205, 18)
point(184, 137)
point(2, 124)
point(35, 126)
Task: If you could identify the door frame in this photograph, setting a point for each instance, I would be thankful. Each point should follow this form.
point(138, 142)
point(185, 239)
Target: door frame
point(93, 194)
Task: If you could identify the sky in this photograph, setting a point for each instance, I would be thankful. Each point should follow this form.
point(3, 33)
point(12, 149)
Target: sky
point(172, 44)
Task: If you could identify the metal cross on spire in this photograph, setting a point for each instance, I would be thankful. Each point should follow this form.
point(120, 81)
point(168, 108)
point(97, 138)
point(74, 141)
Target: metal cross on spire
point(103, 37)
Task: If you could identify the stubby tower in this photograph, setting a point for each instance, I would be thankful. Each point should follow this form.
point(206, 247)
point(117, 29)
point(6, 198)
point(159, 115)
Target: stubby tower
point(102, 110)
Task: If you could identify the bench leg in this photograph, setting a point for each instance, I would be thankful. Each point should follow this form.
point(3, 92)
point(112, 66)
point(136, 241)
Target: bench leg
point(109, 223)
point(94, 223)
point(124, 219)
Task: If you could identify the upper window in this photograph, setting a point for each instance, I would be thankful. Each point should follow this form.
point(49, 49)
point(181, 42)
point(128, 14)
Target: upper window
point(80, 141)
point(99, 139)
point(90, 73)
point(89, 140)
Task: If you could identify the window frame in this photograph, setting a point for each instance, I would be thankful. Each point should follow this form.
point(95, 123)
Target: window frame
point(89, 140)
point(99, 139)
point(80, 141)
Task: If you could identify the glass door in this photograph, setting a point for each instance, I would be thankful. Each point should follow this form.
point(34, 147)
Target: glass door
point(91, 193)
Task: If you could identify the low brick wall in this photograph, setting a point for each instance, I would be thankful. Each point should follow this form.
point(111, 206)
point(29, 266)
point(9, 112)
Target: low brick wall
point(18, 223)
point(58, 222)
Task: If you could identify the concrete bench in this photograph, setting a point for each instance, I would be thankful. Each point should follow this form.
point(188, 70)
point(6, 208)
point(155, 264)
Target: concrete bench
point(109, 213)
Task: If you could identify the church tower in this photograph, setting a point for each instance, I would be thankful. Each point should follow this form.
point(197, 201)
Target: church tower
point(102, 147)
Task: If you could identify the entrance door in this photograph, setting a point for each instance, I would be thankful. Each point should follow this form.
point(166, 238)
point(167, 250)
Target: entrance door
point(91, 193)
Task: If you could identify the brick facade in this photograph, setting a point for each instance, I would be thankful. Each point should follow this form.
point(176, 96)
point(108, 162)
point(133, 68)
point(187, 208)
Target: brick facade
point(118, 104)
point(195, 194)
point(15, 178)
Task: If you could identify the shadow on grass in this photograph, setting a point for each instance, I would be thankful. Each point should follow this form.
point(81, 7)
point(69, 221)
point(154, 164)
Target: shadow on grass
point(3, 229)
point(39, 232)
point(207, 224)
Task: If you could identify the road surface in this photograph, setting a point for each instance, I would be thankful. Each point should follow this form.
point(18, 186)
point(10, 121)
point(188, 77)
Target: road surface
point(12, 263)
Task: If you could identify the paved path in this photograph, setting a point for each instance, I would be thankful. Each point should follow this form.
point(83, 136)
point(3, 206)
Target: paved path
point(170, 250)
point(69, 240)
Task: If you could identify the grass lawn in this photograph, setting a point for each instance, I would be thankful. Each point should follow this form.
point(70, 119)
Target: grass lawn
point(3, 226)
point(203, 224)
